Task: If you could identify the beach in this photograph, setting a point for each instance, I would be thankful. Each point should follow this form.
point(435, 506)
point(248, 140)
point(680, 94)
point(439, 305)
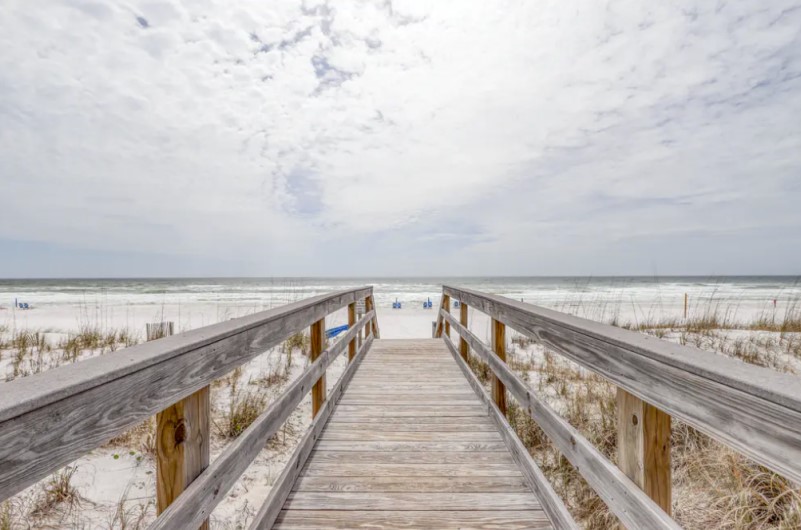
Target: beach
point(114, 485)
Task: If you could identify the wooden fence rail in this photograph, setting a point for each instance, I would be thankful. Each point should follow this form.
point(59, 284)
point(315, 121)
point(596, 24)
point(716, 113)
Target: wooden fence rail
point(754, 410)
point(49, 419)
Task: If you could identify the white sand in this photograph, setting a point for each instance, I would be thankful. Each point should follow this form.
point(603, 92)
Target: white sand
point(110, 476)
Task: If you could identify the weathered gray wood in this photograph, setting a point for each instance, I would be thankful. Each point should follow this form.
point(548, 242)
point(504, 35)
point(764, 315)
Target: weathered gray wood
point(419, 484)
point(551, 503)
point(420, 447)
point(623, 497)
point(409, 410)
point(489, 435)
point(280, 490)
point(412, 501)
point(159, 330)
point(368, 458)
point(404, 520)
point(49, 419)
point(432, 420)
point(208, 489)
point(183, 437)
point(755, 410)
point(412, 470)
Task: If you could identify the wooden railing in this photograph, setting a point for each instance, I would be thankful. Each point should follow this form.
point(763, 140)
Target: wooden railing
point(754, 410)
point(50, 419)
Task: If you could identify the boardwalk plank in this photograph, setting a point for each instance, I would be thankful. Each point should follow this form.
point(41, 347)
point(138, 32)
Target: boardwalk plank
point(397, 520)
point(414, 484)
point(339, 500)
point(410, 445)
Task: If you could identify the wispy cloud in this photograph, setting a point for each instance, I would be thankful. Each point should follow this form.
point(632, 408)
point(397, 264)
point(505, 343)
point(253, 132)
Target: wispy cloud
point(530, 138)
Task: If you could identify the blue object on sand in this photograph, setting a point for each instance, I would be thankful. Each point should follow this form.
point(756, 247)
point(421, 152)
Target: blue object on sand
point(396, 304)
point(333, 332)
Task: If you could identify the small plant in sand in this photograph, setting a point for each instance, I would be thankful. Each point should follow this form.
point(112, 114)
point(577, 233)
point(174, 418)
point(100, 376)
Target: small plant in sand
point(142, 438)
point(299, 341)
point(58, 492)
point(6, 516)
point(244, 406)
point(128, 515)
point(243, 409)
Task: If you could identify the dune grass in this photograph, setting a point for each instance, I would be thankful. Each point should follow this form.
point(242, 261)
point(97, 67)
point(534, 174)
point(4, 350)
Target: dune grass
point(714, 487)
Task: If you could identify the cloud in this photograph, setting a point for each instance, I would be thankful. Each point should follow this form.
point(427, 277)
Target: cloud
point(528, 138)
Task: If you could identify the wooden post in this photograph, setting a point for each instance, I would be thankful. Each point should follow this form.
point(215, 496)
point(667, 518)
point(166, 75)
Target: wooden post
point(368, 305)
point(643, 447)
point(351, 322)
point(685, 306)
point(446, 305)
point(317, 344)
point(499, 347)
point(182, 438)
point(464, 349)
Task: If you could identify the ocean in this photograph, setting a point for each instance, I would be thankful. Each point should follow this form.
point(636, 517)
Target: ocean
point(598, 297)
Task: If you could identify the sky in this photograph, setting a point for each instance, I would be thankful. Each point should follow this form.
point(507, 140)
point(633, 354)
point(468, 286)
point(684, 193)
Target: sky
point(253, 138)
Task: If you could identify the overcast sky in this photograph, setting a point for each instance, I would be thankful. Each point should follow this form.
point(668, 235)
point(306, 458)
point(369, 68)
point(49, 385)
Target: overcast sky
point(210, 137)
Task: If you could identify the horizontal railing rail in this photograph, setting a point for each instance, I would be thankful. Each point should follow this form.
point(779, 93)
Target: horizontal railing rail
point(206, 491)
point(48, 420)
point(754, 410)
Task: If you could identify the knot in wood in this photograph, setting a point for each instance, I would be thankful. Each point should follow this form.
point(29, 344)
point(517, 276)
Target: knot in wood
point(180, 432)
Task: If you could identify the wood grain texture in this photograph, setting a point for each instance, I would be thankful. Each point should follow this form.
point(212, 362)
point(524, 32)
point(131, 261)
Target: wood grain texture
point(553, 506)
point(420, 455)
point(317, 344)
point(623, 497)
point(280, 490)
point(182, 438)
point(413, 447)
point(49, 419)
point(370, 305)
point(182, 447)
point(200, 498)
point(464, 349)
point(499, 347)
point(419, 484)
point(351, 323)
point(754, 410)
point(412, 501)
point(397, 520)
point(643, 447)
point(446, 306)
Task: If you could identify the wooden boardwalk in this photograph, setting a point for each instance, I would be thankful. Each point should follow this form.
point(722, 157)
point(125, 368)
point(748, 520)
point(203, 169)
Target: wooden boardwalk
point(407, 436)
point(410, 445)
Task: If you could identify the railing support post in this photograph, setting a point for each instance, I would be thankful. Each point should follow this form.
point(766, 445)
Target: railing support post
point(643, 445)
point(182, 440)
point(318, 393)
point(464, 349)
point(368, 305)
point(499, 347)
point(446, 305)
point(351, 322)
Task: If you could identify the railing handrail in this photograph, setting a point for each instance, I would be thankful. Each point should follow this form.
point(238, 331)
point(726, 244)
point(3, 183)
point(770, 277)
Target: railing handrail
point(48, 420)
point(207, 490)
point(754, 410)
point(631, 505)
point(780, 388)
